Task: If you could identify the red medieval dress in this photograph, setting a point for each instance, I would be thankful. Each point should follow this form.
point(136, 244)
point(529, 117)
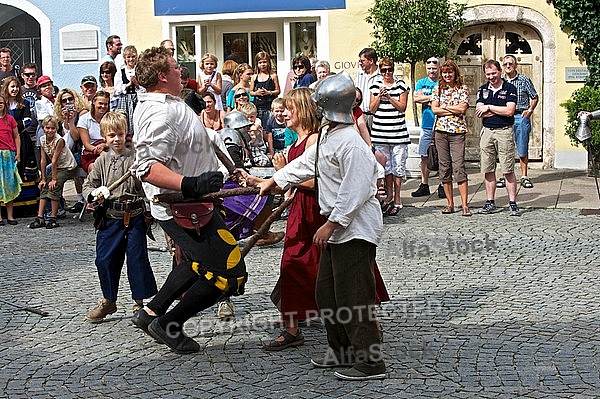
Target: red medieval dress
point(300, 260)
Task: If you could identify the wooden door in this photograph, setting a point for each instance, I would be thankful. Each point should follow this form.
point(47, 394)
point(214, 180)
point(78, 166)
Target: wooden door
point(479, 43)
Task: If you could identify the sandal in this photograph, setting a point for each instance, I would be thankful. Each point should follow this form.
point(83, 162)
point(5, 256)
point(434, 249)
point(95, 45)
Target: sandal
point(12, 222)
point(386, 206)
point(289, 340)
point(394, 210)
point(37, 223)
point(526, 182)
point(2, 223)
point(466, 212)
point(501, 183)
point(448, 210)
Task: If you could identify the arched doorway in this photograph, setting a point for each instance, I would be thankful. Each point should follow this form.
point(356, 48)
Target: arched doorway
point(21, 33)
point(478, 43)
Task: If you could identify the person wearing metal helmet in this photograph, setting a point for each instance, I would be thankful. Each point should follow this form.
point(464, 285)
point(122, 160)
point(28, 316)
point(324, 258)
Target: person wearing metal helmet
point(345, 173)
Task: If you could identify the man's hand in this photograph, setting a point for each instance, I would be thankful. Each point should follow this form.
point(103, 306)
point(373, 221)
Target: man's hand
point(323, 233)
point(197, 186)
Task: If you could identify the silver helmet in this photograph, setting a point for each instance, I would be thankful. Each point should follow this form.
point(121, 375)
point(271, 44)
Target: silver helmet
point(235, 120)
point(231, 137)
point(334, 96)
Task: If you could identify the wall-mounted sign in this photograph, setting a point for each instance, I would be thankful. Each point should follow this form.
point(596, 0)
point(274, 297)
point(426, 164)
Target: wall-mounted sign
point(195, 7)
point(576, 74)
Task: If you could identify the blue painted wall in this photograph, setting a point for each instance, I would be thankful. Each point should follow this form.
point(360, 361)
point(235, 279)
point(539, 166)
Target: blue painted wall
point(66, 12)
point(183, 7)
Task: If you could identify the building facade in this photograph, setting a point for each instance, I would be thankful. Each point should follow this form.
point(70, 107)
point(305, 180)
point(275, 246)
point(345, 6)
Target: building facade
point(71, 37)
point(65, 39)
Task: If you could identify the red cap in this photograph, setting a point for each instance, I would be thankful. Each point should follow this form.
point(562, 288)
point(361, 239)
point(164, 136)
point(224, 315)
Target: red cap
point(43, 79)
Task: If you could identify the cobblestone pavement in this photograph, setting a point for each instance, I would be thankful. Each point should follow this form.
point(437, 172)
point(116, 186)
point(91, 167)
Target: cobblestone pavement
point(484, 307)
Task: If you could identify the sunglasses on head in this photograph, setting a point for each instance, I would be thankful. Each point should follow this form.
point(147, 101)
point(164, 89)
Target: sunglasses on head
point(241, 95)
point(298, 66)
point(65, 100)
point(384, 70)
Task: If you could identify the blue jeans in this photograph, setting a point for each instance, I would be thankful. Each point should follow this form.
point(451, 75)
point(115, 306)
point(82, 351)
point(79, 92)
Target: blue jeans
point(112, 243)
point(522, 128)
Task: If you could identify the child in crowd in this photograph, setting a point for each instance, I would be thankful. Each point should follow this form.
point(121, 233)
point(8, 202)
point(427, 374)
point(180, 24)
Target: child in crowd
point(257, 145)
point(63, 168)
point(10, 153)
point(209, 79)
point(275, 128)
point(119, 219)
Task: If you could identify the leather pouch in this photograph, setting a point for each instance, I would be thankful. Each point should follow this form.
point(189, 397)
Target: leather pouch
point(192, 215)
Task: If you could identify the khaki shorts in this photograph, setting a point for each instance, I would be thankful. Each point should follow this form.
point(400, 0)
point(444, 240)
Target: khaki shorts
point(62, 175)
point(497, 143)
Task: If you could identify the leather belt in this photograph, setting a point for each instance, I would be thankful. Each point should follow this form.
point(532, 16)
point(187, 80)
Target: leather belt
point(122, 206)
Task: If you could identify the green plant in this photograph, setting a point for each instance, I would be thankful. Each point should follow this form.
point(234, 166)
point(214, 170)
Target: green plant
point(411, 31)
point(585, 99)
point(580, 19)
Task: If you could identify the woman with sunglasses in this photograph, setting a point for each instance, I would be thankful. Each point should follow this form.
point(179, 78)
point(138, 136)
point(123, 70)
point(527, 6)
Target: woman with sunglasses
point(241, 96)
point(108, 70)
point(242, 80)
point(302, 73)
point(389, 134)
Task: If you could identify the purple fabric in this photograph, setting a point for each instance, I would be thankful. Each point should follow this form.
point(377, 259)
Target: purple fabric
point(241, 210)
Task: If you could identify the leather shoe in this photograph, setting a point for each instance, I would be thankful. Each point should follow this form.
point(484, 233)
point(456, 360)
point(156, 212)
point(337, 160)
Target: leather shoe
point(177, 340)
point(141, 319)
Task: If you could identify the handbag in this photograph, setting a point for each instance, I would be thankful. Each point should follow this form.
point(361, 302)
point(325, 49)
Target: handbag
point(433, 162)
point(192, 215)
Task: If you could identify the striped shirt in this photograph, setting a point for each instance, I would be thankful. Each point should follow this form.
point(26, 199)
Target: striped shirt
point(389, 124)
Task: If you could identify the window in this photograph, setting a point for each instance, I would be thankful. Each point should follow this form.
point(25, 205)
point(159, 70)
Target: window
point(471, 45)
point(185, 47)
point(235, 46)
point(516, 44)
point(304, 39)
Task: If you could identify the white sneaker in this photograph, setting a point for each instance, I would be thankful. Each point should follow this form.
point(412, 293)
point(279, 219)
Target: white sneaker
point(225, 310)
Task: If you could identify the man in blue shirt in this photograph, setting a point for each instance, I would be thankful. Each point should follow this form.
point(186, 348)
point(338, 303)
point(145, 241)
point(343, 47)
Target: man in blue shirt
point(423, 91)
point(496, 104)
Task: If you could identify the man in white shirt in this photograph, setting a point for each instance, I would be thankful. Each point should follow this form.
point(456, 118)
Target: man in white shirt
point(345, 186)
point(367, 58)
point(174, 154)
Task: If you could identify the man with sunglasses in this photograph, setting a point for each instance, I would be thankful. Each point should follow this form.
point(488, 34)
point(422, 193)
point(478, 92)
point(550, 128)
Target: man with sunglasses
point(527, 100)
point(423, 91)
point(29, 77)
point(367, 60)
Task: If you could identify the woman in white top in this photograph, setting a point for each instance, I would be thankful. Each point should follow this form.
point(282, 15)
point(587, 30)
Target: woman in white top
point(89, 130)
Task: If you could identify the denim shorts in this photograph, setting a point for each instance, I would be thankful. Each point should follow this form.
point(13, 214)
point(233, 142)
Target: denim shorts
point(522, 128)
point(425, 141)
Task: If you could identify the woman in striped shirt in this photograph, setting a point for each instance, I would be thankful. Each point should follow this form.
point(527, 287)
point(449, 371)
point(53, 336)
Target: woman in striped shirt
point(389, 134)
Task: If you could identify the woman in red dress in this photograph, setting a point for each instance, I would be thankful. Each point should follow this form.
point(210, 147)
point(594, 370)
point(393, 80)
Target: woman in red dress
point(300, 260)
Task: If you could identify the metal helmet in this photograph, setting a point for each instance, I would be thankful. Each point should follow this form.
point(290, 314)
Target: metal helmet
point(334, 96)
point(231, 137)
point(235, 120)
